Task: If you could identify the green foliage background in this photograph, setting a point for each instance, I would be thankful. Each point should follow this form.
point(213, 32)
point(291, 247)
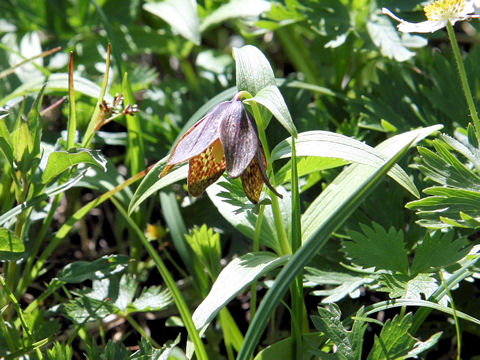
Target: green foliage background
point(86, 231)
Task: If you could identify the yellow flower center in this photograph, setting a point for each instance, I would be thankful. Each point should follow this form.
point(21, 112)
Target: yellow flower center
point(442, 10)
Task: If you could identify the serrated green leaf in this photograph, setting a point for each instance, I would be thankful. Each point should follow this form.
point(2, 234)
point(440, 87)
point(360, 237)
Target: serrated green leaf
point(148, 352)
point(11, 247)
point(181, 15)
point(115, 351)
point(104, 267)
point(235, 9)
point(348, 283)
point(59, 161)
point(60, 351)
point(205, 243)
point(239, 273)
point(378, 248)
point(408, 287)
point(152, 299)
point(437, 251)
point(348, 343)
point(272, 99)
point(395, 342)
point(387, 38)
point(84, 309)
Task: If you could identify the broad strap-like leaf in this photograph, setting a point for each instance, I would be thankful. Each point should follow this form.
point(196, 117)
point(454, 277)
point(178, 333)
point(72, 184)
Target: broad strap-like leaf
point(272, 99)
point(239, 273)
point(332, 145)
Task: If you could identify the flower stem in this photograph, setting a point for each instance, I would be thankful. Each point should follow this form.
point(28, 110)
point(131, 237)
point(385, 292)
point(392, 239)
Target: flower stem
point(463, 79)
point(284, 244)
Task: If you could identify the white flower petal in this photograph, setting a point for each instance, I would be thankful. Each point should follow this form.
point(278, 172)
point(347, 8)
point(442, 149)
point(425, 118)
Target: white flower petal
point(421, 27)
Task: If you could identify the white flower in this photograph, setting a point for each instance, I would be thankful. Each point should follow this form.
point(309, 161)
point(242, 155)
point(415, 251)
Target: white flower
point(438, 14)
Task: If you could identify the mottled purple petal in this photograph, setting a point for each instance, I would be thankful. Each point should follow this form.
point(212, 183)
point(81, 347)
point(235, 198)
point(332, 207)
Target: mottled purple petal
point(199, 136)
point(239, 138)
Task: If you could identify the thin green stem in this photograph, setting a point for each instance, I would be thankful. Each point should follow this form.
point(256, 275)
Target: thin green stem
point(72, 113)
point(256, 247)
point(93, 124)
point(455, 317)
point(284, 244)
point(463, 79)
point(296, 289)
point(141, 331)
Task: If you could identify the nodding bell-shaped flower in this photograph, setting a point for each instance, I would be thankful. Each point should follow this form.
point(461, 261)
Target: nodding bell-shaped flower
point(224, 139)
point(438, 14)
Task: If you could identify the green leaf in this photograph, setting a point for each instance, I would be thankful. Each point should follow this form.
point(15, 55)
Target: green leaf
point(378, 248)
point(327, 144)
point(115, 351)
point(6, 145)
point(306, 166)
point(272, 99)
point(348, 343)
point(348, 283)
point(11, 247)
point(104, 267)
point(84, 309)
point(59, 161)
point(395, 342)
point(148, 352)
point(238, 274)
point(235, 9)
point(385, 36)
point(205, 243)
point(253, 69)
point(151, 299)
point(151, 183)
point(60, 351)
point(181, 15)
point(437, 251)
point(408, 287)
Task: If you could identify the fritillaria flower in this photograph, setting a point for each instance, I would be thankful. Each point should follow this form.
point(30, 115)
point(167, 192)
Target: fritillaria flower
point(438, 14)
point(225, 139)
